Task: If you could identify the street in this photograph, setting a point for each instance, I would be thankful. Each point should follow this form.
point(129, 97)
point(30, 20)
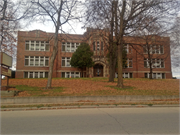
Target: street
point(152, 120)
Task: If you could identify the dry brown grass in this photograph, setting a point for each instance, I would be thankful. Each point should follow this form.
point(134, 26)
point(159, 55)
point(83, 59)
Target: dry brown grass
point(98, 87)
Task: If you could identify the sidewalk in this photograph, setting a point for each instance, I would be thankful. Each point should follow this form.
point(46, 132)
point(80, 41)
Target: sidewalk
point(85, 107)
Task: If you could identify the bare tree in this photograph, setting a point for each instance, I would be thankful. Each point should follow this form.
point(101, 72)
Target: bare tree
point(10, 14)
point(175, 45)
point(59, 12)
point(129, 15)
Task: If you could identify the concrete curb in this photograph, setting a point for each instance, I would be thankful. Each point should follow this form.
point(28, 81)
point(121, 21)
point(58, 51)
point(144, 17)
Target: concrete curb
point(83, 99)
point(84, 107)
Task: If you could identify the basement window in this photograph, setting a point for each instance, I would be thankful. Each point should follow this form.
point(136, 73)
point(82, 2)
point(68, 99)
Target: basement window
point(70, 74)
point(35, 74)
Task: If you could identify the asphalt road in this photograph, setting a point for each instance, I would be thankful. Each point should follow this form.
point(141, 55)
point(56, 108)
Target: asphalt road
point(162, 120)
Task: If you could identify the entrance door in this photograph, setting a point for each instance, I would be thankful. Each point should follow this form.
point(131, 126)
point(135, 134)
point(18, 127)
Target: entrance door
point(98, 70)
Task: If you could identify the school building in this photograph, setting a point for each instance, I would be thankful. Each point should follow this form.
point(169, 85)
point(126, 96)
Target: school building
point(34, 49)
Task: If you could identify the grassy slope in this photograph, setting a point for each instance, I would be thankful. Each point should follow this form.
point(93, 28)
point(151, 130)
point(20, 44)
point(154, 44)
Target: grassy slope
point(94, 87)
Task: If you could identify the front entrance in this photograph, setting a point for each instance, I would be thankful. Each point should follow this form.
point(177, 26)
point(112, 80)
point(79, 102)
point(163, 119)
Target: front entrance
point(98, 70)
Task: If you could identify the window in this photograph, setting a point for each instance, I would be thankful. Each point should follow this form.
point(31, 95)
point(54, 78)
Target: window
point(72, 47)
point(128, 48)
point(26, 60)
point(25, 74)
point(161, 49)
point(153, 49)
point(36, 61)
point(35, 74)
point(155, 75)
point(70, 74)
point(41, 74)
point(69, 47)
point(46, 61)
point(32, 46)
point(63, 61)
point(30, 75)
point(162, 63)
point(77, 75)
point(94, 46)
point(46, 74)
point(146, 63)
point(47, 46)
point(42, 46)
point(67, 75)
point(63, 46)
point(37, 45)
point(66, 62)
point(27, 45)
point(77, 45)
point(98, 46)
point(63, 74)
point(128, 63)
point(125, 75)
point(41, 61)
point(156, 63)
point(31, 60)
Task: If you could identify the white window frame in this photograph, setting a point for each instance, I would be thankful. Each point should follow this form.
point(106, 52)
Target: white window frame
point(34, 61)
point(76, 45)
point(153, 64)
point(34, 73)
point(29, 42)
point(153, 48)
point(70, 74)
point(65, 58)
point(127, 74)
point(127, 48)
point(155, 75)
point(98, 46)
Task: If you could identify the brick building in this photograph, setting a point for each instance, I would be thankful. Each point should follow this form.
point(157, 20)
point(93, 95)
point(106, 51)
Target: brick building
point(34, 50)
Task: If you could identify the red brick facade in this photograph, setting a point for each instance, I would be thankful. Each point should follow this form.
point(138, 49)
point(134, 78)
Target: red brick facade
point(29, 53)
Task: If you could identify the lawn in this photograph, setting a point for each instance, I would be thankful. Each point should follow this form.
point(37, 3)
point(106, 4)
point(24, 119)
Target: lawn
point(93, 87)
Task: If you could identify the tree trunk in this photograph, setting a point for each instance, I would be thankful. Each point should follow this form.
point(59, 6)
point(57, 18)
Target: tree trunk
point(55, 49)
point(150, 77)
point(150, 63)
point(53, 56)
point(111, 77)
point(119, 39)
point(120, 72)
point(111, 46)
point(114, 67)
